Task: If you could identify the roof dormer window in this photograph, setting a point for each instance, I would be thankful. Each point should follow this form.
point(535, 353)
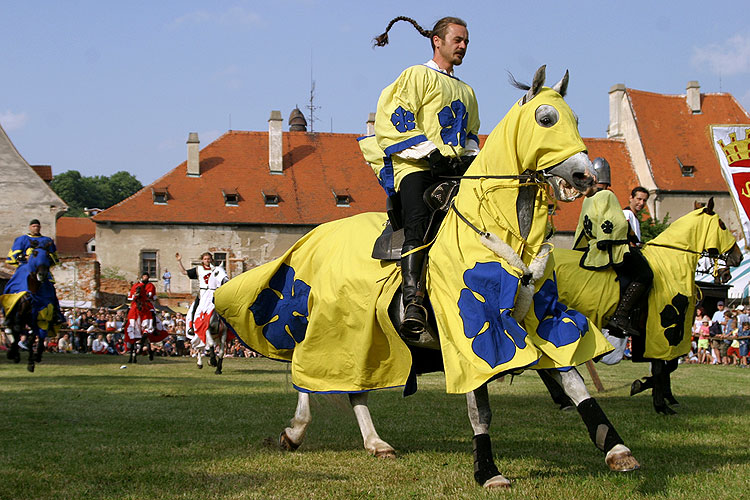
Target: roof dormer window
point(686, 170)
point(271, 198)
point(160, 195)
point(231, 197)
point(342, 197)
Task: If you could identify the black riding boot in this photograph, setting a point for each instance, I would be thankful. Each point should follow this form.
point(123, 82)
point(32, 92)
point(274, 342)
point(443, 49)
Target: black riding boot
point(621, 318)
point(415, 315)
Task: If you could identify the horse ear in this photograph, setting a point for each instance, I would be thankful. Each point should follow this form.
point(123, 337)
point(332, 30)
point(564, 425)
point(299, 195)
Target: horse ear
point(709, 208)
point(537, 84)
point(561, 87)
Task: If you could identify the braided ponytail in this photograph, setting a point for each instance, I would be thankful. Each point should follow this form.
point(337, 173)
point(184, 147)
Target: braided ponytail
point(382, 39)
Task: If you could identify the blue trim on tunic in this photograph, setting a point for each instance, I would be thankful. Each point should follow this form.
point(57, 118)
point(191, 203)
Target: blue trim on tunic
point(400, 146)
point(386, 177)
point(473, 137)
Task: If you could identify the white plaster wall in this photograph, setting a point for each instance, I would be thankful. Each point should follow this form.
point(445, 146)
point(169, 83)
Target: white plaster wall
point(119, 246)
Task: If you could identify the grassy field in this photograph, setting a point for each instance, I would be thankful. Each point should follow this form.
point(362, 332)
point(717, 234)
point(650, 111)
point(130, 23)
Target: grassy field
point(82, 428)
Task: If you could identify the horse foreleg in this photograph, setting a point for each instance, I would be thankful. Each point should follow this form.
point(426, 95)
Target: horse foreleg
point(211, 348)
point(480, 416)
point(222, 348)
point(373, 444)
point(14, 353)
point(291, 438)
point(601, 431)
point(668, 396)
point(133, 352)
point(660, 375)
point(30, 339)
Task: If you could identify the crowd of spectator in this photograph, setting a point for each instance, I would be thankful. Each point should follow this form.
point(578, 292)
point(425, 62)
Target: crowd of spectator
point(102, 331)
point(723, 338)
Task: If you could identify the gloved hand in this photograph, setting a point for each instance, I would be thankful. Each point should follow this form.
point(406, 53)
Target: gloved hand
point(439, 164)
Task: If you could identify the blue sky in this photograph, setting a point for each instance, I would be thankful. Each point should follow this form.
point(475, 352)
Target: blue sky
point(106, 86)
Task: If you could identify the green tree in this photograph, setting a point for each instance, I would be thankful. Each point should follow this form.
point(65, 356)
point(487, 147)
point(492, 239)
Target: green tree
point(651, 228)
point(99, 191)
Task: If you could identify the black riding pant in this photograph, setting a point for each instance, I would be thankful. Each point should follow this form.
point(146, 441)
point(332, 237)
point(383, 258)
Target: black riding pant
point(633, 269)
point(416, 213)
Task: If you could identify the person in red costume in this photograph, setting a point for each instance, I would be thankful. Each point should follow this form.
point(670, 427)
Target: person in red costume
point(143, 325)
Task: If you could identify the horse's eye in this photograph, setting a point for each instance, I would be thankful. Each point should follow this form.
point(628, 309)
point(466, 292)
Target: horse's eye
point(546, 115)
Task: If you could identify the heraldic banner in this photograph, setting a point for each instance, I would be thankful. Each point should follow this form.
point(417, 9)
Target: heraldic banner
point(732, 146)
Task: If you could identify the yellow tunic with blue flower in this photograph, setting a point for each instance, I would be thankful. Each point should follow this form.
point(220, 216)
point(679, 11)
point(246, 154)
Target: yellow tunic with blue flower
point(424, 104)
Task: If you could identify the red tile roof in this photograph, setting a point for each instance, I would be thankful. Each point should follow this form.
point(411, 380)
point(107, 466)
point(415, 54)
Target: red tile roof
point(72, 235)
point(43, 171)
point(623, 179)
point(315, 166)
point(668, 129)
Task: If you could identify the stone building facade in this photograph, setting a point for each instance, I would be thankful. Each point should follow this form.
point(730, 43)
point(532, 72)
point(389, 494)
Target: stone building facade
point(24, 195)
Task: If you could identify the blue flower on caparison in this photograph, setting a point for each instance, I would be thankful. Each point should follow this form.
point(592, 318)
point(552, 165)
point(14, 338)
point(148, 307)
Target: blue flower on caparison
point(558, 324)
point(485, 307)
point(282, 309)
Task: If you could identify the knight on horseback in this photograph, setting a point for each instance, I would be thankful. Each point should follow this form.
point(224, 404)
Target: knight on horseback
point(24, 244)
point(29, 300)
point(604, 236)
point(426, 127)
point(144, 325)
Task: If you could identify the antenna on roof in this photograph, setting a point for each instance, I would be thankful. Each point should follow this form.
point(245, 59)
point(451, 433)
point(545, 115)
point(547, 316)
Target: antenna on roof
point(230, 122)
point(312, 107)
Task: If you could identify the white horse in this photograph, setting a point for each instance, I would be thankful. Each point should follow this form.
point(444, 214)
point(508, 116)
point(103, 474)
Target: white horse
point(204, 326)
point(332, 311)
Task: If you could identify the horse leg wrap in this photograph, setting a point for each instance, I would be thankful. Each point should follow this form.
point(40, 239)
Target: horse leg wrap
point(484, 464)
point(601, 430)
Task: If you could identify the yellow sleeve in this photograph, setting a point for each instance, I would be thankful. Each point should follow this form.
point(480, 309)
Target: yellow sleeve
point(397, 126)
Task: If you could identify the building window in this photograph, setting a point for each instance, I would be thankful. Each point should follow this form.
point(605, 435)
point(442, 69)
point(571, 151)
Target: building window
point(220, 259)
point(342, 197)
point(686, 170)
point(160, 195)
point(231, 197)
point(271, 199)
point(148, 263)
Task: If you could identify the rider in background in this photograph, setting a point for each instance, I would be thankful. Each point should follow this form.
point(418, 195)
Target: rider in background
point(23, 244)
point(603, 234)
point(426, 121)
point(638, 198)
point(200, 273)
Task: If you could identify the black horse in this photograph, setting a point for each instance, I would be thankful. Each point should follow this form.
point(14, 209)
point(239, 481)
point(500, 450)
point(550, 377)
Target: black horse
point(31, 307)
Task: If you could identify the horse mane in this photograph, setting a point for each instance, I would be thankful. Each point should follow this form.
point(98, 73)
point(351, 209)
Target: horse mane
point(515, 83)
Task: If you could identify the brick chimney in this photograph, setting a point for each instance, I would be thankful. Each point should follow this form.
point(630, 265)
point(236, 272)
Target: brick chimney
point(694, 97)
point(616, 96)
point(193, 160)
point(371, 124)
point(275, 163)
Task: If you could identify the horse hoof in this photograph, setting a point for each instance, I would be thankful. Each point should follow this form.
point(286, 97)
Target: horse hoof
point(636, 387)
point(672, 401)
point(217, 372)
point(287, 444)
point(386, 453)
point(30, 368)
point(496, 483)
point(664, 410)
point(620, 459)
point(200, 367)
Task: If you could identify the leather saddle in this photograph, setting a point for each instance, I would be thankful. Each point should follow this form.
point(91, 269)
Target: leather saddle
point(437, 197)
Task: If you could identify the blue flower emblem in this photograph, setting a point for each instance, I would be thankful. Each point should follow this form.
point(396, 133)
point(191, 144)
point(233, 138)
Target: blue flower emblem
point(454, 120)
point(557, 323)
point(282, 309)
point(485, 308)
point(403, 119)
